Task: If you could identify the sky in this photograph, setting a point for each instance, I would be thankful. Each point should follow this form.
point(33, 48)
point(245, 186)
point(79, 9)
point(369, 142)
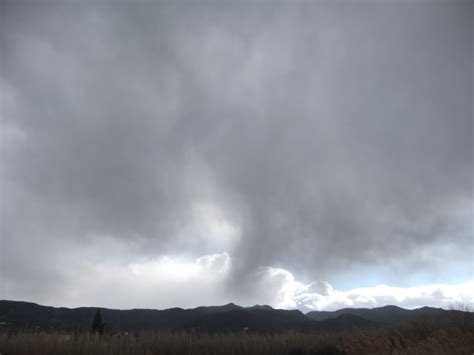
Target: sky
point(302, 154)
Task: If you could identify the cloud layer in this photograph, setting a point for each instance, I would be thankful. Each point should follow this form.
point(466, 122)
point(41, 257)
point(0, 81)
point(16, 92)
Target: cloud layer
point(334, 141)
point(168, 282)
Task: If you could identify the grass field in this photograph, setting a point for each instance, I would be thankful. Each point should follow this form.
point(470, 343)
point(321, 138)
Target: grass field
point(418, 338)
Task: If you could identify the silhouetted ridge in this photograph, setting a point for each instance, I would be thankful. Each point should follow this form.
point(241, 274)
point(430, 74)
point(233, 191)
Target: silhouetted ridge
point(387, 315)
point(230, 317)
point(264, 306)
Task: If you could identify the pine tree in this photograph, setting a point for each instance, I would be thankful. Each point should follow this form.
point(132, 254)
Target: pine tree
point(97, 325)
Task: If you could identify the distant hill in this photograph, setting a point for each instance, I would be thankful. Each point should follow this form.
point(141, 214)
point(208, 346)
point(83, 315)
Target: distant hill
point(344, 322)
point(252, 318)
point(215, 318)
point(24, 315)
point(389, 315)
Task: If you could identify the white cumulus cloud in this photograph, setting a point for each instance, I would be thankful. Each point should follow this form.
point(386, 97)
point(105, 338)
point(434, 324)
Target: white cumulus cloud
point(320, 295)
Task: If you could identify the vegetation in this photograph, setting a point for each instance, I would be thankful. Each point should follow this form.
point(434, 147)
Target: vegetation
point(31, 329)
point(414, 338)
point(97, 325)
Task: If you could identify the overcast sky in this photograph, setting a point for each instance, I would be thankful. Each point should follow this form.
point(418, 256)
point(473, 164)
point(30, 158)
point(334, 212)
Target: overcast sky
point(310, 155)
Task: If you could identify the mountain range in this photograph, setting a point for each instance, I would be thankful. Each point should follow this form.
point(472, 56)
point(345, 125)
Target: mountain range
point(16, 315)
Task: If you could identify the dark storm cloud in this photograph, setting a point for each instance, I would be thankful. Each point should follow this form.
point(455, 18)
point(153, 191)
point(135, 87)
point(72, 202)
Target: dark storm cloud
point(328, 134)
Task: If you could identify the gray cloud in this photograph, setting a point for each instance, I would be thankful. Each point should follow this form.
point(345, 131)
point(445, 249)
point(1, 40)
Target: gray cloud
point(312, 136)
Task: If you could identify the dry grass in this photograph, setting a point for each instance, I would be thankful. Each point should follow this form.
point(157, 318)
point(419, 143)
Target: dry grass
point(401, 340)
